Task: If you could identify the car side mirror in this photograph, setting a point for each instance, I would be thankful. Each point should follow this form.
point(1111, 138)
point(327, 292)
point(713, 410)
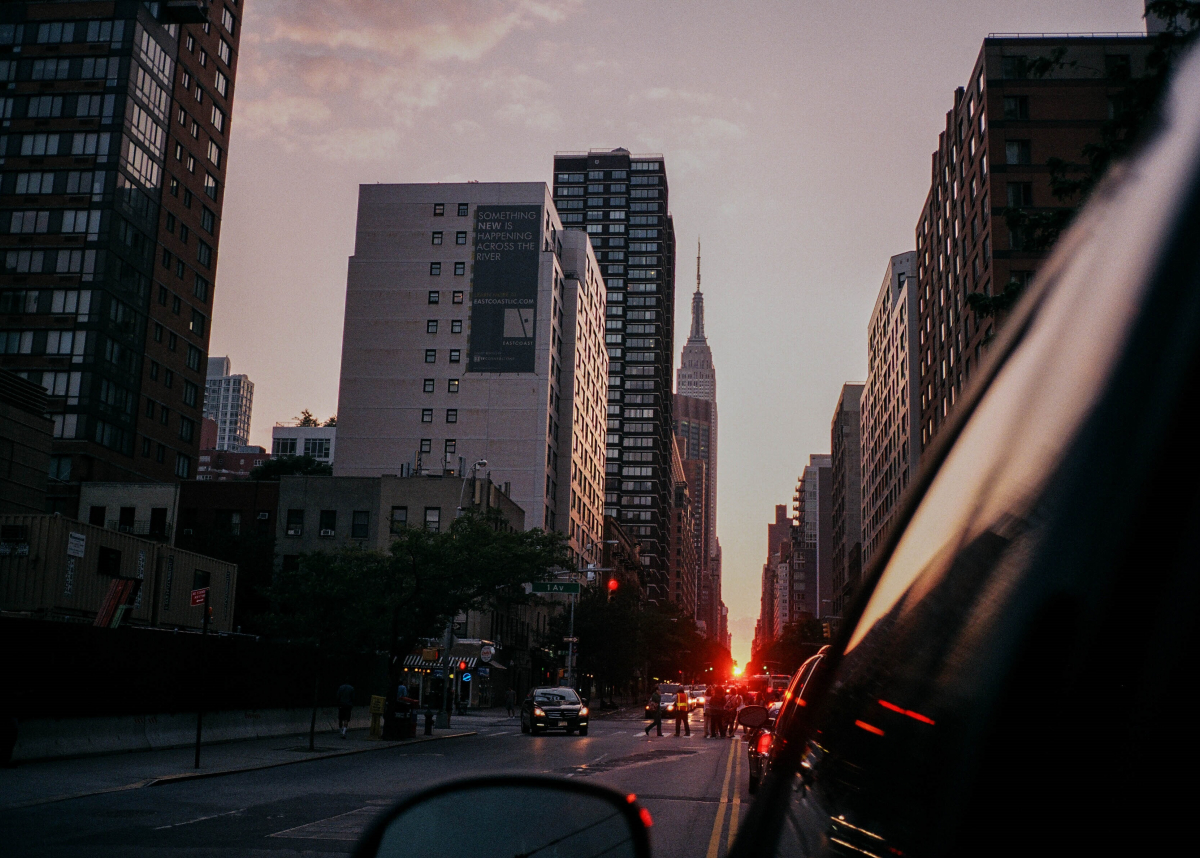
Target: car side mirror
point(753, 716)
point(503, 816)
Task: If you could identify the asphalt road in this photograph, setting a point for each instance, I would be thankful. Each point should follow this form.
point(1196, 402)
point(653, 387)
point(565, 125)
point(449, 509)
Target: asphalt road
point(695, 788)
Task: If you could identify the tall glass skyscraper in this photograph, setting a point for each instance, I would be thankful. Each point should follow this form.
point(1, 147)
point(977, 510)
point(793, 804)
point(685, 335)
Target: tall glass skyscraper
point(621, 201)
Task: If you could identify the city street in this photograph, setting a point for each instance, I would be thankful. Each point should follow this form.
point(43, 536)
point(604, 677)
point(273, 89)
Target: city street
point(694, 788)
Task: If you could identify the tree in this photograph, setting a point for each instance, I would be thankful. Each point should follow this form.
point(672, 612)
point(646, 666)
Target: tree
point(332, 421)
point(284, 466)
point(1133, 111)
point(306, 419)
point(353, 600)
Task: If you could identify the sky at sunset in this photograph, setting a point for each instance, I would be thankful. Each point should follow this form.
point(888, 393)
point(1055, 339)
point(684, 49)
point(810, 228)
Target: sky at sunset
point(797, 138)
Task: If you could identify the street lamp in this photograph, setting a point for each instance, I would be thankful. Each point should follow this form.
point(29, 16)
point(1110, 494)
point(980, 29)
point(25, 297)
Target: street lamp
point(482, 463)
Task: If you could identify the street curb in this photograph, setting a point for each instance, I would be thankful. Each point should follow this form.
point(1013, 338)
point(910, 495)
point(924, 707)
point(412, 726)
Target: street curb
point(190, 776)
point(195, 776)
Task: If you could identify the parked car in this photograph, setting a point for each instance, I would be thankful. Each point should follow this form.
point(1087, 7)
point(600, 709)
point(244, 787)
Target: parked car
point(1017, 672)
point(554, 709)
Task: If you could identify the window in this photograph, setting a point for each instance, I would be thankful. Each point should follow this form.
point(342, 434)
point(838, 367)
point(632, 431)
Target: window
point(211, 188)
point(451, 415)
point(1013, 68)
point(190, 394)
point(198, 324)
point(433, 518)
point(1018, 152)
point(360, 524)
point(426, 445)
point(191, 163)
point(428, 385)
point(284, 447)
point(434, 296)
point(1016, 107)
point(183, 466)
point(456, 297)
point(222, 84)
point(455, 355)
point(328, 523)
point(450, 447)
point(460, 268)
point(439, 209)
point(462, 209)
point(208, 220)
point(452, 386)
point(399, 519)
point(456, 326)
point(431, 326)
point(227, 19)
point(1020, 194)
point(224, 52)
point(435, 269)
point(318, 448)
point(426, 415)
point(214, 153)
point(460, 238)
point(1117, 66)
point(437, 237)
point(204, 254)
point(187, 429)
point(193, 358)
point(218, 119)
point(430, 355)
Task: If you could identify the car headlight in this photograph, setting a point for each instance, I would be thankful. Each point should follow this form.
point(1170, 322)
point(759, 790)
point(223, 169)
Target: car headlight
point(670, 707)
point(583, 712)
point(538, 712)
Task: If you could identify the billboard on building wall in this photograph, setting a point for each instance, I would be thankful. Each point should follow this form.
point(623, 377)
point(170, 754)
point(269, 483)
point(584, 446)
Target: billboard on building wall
point(504, 289)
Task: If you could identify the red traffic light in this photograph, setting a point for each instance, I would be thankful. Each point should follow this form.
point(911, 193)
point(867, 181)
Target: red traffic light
point(462, 665)
point(612, 585)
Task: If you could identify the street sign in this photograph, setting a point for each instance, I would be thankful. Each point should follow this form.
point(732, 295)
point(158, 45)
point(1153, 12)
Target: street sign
point(555, 587)
point(570, 640)
point(486, 653)
point(76, 544)
point(198, 597)
point(466, 677)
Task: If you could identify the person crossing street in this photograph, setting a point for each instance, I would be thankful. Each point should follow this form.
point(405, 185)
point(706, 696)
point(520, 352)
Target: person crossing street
point(656, 703)
point(682, 715)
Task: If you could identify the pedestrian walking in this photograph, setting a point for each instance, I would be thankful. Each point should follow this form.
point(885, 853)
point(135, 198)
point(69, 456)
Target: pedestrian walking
point(656, 701)
point(730, 719)
point(510, 702)
point(708, 712)
point(682, 714)
point(718, 713)
point(345, 699)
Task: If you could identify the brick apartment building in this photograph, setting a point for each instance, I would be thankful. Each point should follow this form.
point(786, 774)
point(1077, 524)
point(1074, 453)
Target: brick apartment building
point(1005, 125)
point(117, 121)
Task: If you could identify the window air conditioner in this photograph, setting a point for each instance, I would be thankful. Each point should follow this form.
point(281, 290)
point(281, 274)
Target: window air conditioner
point(293, 531)
point(263, 516)
point(327, 532)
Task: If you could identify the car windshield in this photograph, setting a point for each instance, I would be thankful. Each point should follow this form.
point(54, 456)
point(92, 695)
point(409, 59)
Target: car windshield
point(668, 689)
point(555, 695)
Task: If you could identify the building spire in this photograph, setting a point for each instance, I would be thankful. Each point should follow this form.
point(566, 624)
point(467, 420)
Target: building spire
point(697, 333)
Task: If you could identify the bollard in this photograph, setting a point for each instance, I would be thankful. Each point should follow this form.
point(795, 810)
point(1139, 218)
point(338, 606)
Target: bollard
point(428, 722)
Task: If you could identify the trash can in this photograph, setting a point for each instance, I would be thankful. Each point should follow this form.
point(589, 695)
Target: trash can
point(402, 723)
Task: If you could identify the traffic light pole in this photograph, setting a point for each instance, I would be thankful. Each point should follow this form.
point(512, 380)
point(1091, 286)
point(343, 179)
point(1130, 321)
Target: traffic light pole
point(571, 645)
point(200, 707)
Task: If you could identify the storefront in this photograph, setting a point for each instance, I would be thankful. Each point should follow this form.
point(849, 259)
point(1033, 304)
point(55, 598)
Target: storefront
point(470, 676)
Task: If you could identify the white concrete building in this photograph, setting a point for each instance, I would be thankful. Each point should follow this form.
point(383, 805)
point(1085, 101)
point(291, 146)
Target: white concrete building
point(474, 330)
point(320, 442)
point(228, 399)
point(890, 403)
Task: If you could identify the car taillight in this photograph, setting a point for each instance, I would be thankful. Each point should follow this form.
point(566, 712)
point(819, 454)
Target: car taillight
point(764, 743)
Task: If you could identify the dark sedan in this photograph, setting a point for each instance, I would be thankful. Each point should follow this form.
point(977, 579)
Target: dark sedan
point(758, 746)
point(553, 709)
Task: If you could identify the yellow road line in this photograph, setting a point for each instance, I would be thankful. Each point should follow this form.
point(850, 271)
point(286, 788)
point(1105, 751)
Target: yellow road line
point(735, 810)
point(714, 842)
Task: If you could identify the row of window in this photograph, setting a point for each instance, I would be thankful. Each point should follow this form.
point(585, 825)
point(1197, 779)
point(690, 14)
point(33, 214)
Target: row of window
point(435, 297)
point(431, 355)
point(435, 269)
point(456, 326)
point(427, 415)
point(460, 237)
point(439, 209)
point(360, 522)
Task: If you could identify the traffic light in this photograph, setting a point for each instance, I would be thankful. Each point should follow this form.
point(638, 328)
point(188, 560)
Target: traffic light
point(612, 585)
point(462, 665)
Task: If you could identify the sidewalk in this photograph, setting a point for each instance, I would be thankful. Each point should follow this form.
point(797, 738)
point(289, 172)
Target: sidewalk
point(50, 781)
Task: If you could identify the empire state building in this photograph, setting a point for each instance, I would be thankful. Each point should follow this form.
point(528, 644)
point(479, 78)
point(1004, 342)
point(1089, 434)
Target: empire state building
point(696, 428)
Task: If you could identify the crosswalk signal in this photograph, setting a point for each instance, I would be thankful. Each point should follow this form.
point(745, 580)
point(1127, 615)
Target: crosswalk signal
point(462, 665)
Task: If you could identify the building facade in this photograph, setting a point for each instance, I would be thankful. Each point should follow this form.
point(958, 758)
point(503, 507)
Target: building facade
point(890, 405)
point(772, 617)
point(845, 496)
point(812, 538)
point(684, 566)
point(117, 121)
point(620, 201)
point(993, 160)
point(228, 401)
point(320, 442)
point(472, 341)
point(25, 438)
point(696, 420)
